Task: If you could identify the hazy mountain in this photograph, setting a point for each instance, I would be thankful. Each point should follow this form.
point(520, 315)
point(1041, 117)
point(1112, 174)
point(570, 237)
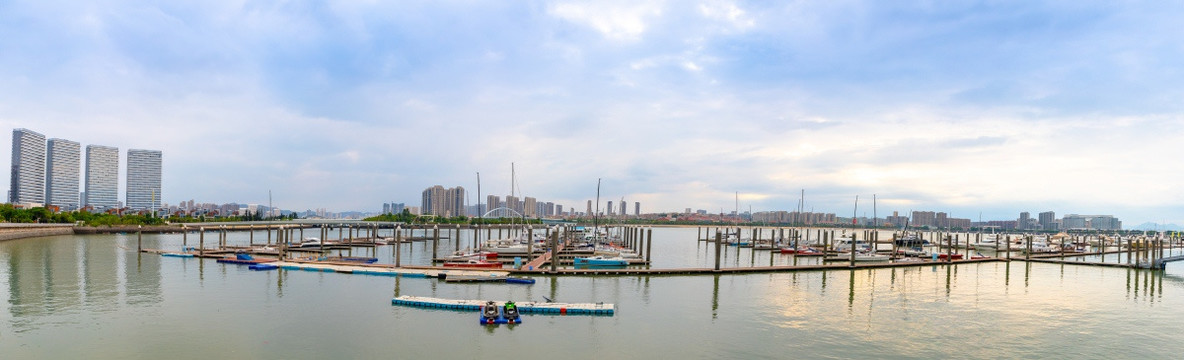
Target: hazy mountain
point(1155, 226)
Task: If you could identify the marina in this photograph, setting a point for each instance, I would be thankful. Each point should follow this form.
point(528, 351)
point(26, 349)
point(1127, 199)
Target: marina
point(754, 301)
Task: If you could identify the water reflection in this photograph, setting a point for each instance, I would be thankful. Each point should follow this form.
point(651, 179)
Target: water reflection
point(715, 297)
point(62, 275)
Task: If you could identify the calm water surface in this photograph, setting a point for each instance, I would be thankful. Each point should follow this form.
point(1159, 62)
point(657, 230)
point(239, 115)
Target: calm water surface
point(95, 297)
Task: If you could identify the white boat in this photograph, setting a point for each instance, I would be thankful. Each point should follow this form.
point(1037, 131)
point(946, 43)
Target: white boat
point(860, 257)
point(843, 243)
point(601, 261)
point(307, 243)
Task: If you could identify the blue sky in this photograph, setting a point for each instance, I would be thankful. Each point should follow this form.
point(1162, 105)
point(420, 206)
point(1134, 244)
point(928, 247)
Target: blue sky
point(965, 107)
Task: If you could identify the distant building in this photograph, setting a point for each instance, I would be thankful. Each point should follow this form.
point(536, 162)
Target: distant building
point(62, 174)
point(28, 168)
point(896, 220)
point(494, 202)
point(443, 202)
point(589, 213)
point(1090, 222)
point(530, 205)
point(636, 208)
point(924, 218)
point(610, 208)
point(102, 177)
point(1022, 222)
point(623, 208)
point(143, 179)
point(1048, 221)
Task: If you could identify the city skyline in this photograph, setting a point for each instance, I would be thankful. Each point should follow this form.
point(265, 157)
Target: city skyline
point(957, 108)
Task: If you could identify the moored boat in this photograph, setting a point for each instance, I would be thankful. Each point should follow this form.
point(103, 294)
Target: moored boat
point(471, 263)
point(601, 261)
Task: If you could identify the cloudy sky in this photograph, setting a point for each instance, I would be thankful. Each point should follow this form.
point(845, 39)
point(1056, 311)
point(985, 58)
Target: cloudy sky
point(966, 107)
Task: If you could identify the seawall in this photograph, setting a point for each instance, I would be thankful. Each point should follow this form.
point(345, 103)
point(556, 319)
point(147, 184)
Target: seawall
point(23, 231)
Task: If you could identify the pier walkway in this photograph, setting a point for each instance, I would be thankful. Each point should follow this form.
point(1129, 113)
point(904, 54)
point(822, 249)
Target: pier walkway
point(538, 262)
point(527, 307)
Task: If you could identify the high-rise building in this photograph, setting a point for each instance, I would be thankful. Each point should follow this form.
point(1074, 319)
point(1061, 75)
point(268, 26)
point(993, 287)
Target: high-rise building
point(1091, 222)
point(924, 218)
point(589, 213)
point(28, 168)
point(1048, 220)
point(623, 207)
point(1022, 222)
point(530, 205)
point(143, 179)
point(448, 202)
point(102, 177)
point(515, 206)
point(62, 174)
point(636, 208)
point(610, 208)
point(493, 202)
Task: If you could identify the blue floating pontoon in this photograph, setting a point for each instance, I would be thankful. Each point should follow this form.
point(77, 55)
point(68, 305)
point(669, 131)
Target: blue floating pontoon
point(263, 267)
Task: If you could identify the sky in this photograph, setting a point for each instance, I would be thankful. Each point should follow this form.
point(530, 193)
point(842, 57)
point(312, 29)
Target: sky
point(973, 108)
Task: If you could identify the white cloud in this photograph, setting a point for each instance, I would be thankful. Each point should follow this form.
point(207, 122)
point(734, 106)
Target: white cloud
point(616, 20)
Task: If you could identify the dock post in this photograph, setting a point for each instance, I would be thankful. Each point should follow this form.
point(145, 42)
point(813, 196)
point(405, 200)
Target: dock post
point(717, 242)
point(268, 228)
point(853, 248)
point(529, 243)
point(251, 231)
point(184, 237)
point(699, 233)
point(649, 245)
point(1028, 255)
point(301, 233)
point(398, 246)
point(554, 240)
point(139, 238)
point(201, 241)
point(435, 240)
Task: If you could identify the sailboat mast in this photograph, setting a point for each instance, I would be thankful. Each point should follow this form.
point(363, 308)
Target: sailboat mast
point(854, 216)
point(596, 214)
point(480, 213)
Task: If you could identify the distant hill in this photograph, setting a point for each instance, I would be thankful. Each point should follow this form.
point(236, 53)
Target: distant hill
point(1154, 226)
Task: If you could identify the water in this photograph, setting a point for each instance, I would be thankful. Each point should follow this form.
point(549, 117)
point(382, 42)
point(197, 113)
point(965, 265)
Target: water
point(95, 297)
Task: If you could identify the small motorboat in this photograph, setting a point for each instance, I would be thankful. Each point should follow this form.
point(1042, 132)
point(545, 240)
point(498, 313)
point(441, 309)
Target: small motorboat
point(601, 261)
point(464, 256)
point(473, 263)
point(949, 256)
point(310, 242)
point(510, 312)
point(808, 252)
point(489, 313)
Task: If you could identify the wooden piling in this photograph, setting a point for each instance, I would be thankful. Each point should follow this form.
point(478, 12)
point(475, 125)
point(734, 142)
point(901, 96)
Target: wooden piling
point(529, 242)
point(398, 247)
point(201, 241)
point(649, 245)
point(718, 237)
point(853, 247)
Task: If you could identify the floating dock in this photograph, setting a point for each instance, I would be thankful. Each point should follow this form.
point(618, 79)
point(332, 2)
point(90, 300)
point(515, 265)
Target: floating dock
point(528, 307)
point(381, 270)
